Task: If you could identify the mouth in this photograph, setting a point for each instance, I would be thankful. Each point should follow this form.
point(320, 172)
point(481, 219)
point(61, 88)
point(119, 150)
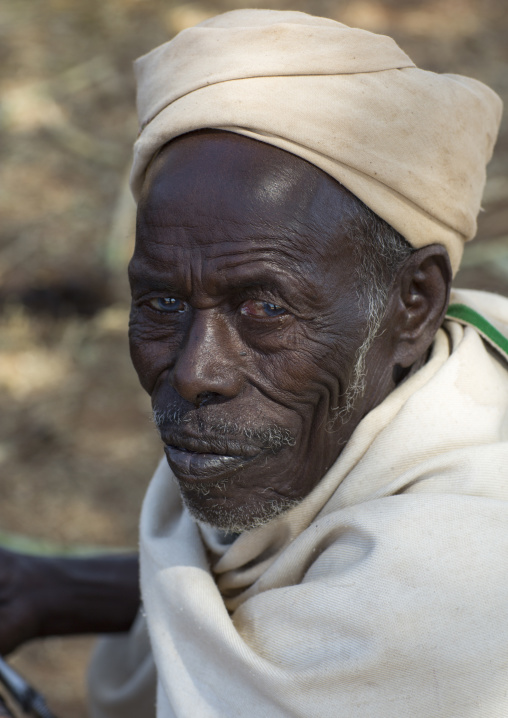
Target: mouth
point(193, 460)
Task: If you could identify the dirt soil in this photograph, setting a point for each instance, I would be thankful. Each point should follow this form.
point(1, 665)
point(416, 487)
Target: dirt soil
point(76, 443)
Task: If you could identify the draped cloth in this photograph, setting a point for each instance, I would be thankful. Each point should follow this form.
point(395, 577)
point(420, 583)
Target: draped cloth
point(411, 144)
point(384, 593)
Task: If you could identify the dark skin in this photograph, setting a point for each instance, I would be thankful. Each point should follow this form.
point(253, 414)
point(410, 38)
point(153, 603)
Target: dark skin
point(245, 313)
point(56, 596)
point(245, 325)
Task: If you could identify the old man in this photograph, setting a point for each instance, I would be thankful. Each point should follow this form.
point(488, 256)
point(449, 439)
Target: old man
point(327, 534)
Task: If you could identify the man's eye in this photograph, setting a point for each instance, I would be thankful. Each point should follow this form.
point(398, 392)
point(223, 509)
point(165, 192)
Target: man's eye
point(258, 308)
point(167, 304)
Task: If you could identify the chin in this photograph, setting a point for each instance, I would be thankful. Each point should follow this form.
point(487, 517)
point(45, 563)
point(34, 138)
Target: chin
point(224, 515)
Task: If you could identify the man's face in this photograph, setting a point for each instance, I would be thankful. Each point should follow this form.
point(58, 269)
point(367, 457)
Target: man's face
point(246, 320)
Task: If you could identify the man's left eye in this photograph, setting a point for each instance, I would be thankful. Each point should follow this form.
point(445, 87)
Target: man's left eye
point(167, 304)
point(258, 308)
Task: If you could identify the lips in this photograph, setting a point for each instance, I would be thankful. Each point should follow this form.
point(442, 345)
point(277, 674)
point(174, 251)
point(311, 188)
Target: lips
point(201, 460)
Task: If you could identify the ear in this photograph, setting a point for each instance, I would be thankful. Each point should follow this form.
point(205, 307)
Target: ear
point(421, 294)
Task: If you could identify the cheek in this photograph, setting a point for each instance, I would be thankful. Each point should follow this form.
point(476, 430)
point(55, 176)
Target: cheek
point(152, 349)
point(311, 369)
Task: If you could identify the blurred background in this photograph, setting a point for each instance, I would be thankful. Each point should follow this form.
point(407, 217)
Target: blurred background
point(76, 443)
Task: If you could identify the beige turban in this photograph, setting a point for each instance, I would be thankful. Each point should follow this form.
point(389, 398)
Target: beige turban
point(411, 144)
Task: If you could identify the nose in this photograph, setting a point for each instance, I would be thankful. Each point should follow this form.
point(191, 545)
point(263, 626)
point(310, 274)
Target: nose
point(207, 367)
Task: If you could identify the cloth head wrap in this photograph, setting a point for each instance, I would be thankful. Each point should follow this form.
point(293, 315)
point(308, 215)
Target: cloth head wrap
point(412, 145)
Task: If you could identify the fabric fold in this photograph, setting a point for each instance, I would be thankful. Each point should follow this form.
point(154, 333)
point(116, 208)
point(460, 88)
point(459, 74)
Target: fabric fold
point(411, 144)
point(383, 593)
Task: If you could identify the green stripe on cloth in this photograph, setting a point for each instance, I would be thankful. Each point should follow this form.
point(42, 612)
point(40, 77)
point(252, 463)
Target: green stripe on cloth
point(42, 547)
point(466, 315)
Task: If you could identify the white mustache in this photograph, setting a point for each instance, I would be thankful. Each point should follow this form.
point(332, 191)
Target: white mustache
point(272, 437)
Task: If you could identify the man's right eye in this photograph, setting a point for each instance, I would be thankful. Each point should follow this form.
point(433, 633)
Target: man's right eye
point(169, 305)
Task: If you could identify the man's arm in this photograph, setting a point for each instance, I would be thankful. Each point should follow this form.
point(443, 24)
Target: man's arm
point(55, 596)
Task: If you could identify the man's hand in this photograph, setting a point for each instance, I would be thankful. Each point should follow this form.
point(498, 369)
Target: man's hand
point(51, 596)
point(20, 579)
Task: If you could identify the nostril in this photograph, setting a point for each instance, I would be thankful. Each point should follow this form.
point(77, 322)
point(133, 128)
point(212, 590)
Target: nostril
point(204, 398)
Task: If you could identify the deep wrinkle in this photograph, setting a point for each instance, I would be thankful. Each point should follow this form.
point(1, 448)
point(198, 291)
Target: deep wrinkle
point(215, 363)
point(234, 282)
point(236, 268)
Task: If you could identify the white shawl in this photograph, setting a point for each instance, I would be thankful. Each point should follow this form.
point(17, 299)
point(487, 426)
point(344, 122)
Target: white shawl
point(384, 594)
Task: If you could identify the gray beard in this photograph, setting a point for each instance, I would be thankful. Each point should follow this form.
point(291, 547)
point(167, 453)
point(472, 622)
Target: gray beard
point(234, 520)
point(239, 519)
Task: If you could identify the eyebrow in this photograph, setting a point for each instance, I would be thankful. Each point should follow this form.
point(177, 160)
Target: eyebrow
point(240, 277)
point(266, 279)
point(264, 284)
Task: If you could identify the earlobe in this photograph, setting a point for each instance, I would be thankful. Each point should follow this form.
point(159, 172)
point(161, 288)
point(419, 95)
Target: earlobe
point(423, 289)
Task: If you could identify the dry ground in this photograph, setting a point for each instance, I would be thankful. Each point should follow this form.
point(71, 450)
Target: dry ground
point(76, 443)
